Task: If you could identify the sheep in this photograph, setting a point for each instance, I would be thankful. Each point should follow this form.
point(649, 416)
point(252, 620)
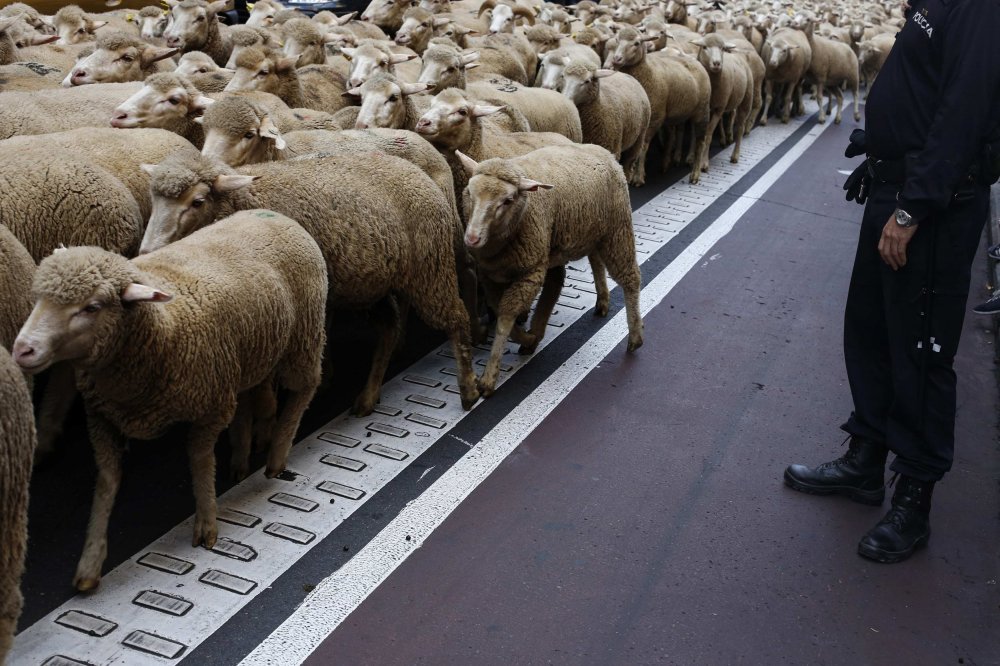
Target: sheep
point(417, 29)
point(30, 16)
point(386, 14)
point(318, 87)
point(833, 63)
point(523, 238)
point(654, 72)
point(454, 122)
point(384, 227)
point(117, 58)
point(17, 445)
point(452, 30)
point(546, 110)
point(12, 30)
point(594, 39)
point(74, 26)
point(171, 102)
point(202, 72)
point(244, 36)
point(370, 57)
point(20, 43)
point(387, 102)
point(614, 110)
point(515, 46)
point(28, 77)
point(444, 66)
point(152, 22)
point(84, 106)
point(194, 27)
point(872, 54)
point(499, 61)
point(504, 16)
point(15, 285)
point(543, 38)
point(732, 90)
point(115, 321)
point(304, 41)
point(787, 56)
point(552, 64)
point(262, 14)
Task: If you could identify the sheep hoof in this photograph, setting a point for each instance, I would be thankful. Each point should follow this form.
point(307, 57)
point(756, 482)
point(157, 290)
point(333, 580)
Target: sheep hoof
point(601, 309)
point(734, 159)
point(86, 584)
point(469, 400)
point(205, 533)
point(486, 389)
point(857, 116)
point(238, 473)
point(363, 406)
point(634, 343)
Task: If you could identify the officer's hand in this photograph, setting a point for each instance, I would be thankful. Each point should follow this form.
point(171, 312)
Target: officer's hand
point(892, 245)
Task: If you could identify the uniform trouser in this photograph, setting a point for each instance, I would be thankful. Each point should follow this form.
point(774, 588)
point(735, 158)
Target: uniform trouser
point(901, 331)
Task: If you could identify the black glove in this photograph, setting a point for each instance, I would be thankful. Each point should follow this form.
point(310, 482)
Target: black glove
point(858, 184)
point(858, 144)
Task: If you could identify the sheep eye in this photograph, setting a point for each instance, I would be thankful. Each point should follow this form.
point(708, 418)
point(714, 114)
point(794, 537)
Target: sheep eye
point(423, 25)
point(81, 31)
point(200, 18)
point(393, 98)
point(127, 58)
point(174, 100)
point(249, 135)
point(197, 203)
point(200, 70)
point(450, 69)
point(262, 73)
point(463, 112)
point(91, 308)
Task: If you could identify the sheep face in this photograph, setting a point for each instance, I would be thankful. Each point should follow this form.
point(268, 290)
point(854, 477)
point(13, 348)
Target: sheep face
point(445, 68)
point(81, 295)
point(152, 27)
point(126, 61)
point(711, 51)
point(656, 31)
point(195, 62)
point(249, 147)
point(385, 13)
point(493, 205)
point(190, 22)
point(161, 106)
point(257, 71)
point(550, 71)
point(709, 22)
point(262, 15)
point(368, 60)
point(542, 39)
point(560, 21)
point(383, 102)
point(417, 29)
point(74, 27)
point(581, 84)
point(175, 217)
point(781, 52)
point(448, 121)
point(448, 29)
point(502, 19)
point(304, 41)
point(625, 49)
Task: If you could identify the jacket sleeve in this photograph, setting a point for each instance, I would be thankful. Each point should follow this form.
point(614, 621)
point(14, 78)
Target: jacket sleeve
point(970, 77)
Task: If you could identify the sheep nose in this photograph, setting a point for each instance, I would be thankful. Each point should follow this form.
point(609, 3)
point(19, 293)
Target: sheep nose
point(618, 60)
point(471, 239)
point(23, 353)
point(173, 41)
point(423, 124)
point(402, 39)
point(79, 74)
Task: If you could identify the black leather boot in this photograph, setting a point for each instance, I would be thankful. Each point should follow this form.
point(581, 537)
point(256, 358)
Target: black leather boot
point(905, 528)
point(858, 474)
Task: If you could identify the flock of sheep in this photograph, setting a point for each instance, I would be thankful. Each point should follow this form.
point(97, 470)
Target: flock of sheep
point(223, 191)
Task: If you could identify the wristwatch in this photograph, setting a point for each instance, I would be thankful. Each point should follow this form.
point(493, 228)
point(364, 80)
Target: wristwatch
point(904, 219)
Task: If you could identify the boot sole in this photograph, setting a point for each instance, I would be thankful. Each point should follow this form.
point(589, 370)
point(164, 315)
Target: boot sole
point(869, 497)
point(891, 557)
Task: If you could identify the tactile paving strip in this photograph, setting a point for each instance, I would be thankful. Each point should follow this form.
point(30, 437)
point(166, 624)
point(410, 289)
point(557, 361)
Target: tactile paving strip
point(268, 524)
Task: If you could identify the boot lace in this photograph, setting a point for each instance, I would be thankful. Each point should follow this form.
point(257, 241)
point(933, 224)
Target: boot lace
point(848, 456)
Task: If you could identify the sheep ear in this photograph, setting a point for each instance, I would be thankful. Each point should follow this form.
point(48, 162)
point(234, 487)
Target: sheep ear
point(472, 65)
point(38, 40)
point(602, 73)
point(218, 7)
point(148, 168)
point(94, 25)
point(287, 64)
point(413, 88)
point(140, 293)
point(468, 164)
point(697, 42)
point(269, 131)
point(469, 58)
point(230, 183)
point(348, 52)
point(528, 185)
point(345, 19)
point(152, 54)
point(353, 92)
point(480, 110)
point(397, 58)
point(440, 21)
point(729, 47)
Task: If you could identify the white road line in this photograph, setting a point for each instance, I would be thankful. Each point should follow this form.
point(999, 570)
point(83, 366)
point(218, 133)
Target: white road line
point(337, 596)
point(169, 597)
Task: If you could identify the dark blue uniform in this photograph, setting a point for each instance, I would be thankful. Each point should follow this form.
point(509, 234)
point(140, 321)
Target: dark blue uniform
point(933, 106)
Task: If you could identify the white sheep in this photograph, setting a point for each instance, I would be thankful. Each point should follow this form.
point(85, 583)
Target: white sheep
point(319, 87)
point(732, 91)
point(384, 227)
point(787, 56)
point(527, 220)
point(142, 337)
point(194, 27)
point(119, 57)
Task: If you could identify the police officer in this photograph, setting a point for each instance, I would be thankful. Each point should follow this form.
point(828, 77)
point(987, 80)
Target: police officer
point(929, 119)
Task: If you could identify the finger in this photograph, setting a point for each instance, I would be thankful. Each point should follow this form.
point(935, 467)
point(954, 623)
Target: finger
point(901, 256)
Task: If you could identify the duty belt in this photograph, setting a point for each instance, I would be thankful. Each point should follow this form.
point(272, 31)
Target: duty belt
point(887, 171)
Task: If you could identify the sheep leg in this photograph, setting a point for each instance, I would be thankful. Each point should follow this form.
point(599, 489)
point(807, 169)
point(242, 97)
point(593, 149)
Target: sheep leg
point(742, 112)
point(108, 445)
point(822, 111)
point(288, 422)
point(515, 299)
point(439, 305)
point(630, 160)
point(201, 460)
point(388, 323)
point(57, 400)
point(554, 280)
point(786, 106)
point(839, 92)
point(800, 106)
point(713, 122)
point(265, 410)
point(618, 254)
point(768, 98)
point(698, 140)
point(240, 434)
point(468, 286)
point(600, 285)
point(668, 149)
point(857, 112)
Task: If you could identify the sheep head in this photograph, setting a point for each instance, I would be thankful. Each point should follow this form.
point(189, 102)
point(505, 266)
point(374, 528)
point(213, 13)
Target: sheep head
point(711, 50)
point(264, 71)
point(304, 41)
point(383, 101)
point(192, 22)
point(166, 101)
point(73, 26)
point(448, 122)
point(417, 29)
point(118, 57)
point(370, 58)
point(581, 82)
point(494, 199)
point(444, 67)
point(81, 296)
point(152, 22)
